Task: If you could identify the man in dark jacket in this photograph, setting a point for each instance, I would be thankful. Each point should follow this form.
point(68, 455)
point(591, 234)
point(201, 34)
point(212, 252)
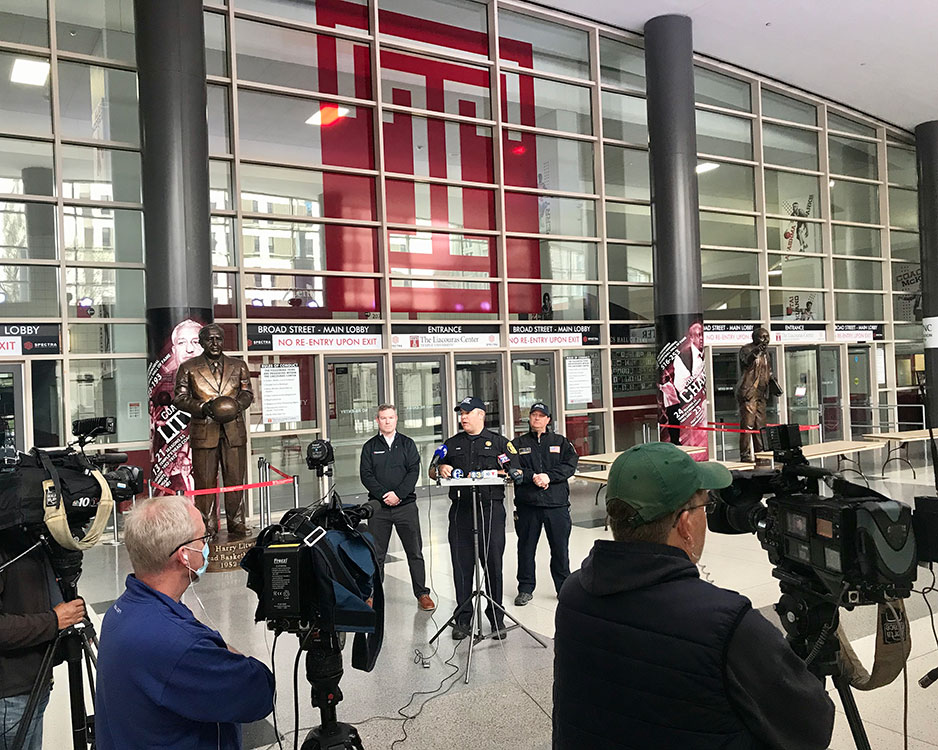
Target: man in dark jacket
point(390, 466)
point(476, 449)
point(700, 668)
point(542, 499)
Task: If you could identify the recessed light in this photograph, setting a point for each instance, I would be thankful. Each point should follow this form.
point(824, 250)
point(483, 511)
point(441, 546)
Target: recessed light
point(327, 114)
point(29, 72)
point(706, 166)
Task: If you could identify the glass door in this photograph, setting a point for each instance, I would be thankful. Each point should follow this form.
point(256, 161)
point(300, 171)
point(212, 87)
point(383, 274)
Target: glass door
point(355, 389)
point(859, 386)
point(830, 393)
point(12, 407)
point(482, 377)
point(801, 378)
point(532, 379)
point(421, 403)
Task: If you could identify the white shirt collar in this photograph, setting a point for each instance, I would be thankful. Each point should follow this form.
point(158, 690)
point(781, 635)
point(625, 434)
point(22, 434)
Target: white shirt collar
point(389, 439)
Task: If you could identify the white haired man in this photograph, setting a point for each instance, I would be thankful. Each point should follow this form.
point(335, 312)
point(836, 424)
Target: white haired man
point(165, 679)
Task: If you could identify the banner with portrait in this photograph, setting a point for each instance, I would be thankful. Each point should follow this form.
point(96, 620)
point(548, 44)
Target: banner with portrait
point(682, 380)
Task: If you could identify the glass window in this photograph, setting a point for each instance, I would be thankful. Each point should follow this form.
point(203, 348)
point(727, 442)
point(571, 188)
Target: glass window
point(627, 173)
point(789, 147)
point(26, 167)
point(295, 192)
point(223, 252)
point(632, 425)
point(27, 230)
point(445, 25)
point(103, 28)
point(793, 236)
point(792, 194)
point(864, 307)
point(545, 214)
point(105, 293)
point(907, 302)
point(24, 94)
point(852, 157)
point(225, 295)
point(29, 292)
point(300, 60)
point(621, 64)
point(727, 267)
point(836, 122)
point(903, 208)
point(547, 163)
point(730, 304)
point(290, 129)
point(432, 204)
point(428, 254)
point(306, 365)
point(552, 259)
point(795, 270)
point(586, 433)
point(631, 302)
point(720, 90)
point(856, 241)
point(219, 175)
point(902, 166)
point(268, 295)
point(353, 14)
point(781, 107)
point(727, 230)
point(796, 306)
point(437, 148)
point(216, 45)
point(416, 299)
point(48, 403)
point(308, 247)
point(219, 128)
point(634, 380)
point(25, 23)
point(726, 186)
point(625, 221)
point(454, 88)
point(911, 333)
point(98, 103)
point(722, 135)
point(574, 360)
point(547, 104)
point(630, 263)
point(552, 302)
point(103, 387)
point(854, 201)
point(625, 118)
point(542, 45)
point(101, 174)
point(905, 245)
point(109, 338)
point(858, 274)
point(102, 235)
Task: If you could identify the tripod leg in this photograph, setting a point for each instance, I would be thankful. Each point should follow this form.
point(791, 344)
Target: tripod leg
point(853, 714)
point(517, 623)
point(42, 679)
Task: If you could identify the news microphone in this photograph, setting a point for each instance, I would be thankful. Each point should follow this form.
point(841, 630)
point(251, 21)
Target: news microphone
point(438, 455)
point(504, 462)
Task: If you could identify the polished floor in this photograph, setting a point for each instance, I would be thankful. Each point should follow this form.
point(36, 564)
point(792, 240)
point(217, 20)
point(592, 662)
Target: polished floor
point(507, 702)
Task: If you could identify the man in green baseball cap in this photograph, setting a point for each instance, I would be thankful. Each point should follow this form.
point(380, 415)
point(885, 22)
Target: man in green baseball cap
point(646, 654)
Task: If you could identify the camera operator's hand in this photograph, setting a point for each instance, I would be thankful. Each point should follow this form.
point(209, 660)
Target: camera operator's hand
point(70, 613)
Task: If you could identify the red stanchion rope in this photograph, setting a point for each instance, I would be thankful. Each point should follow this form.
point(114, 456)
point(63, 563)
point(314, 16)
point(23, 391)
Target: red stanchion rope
point(275, 470)
point(215, 490)
point(802, 427)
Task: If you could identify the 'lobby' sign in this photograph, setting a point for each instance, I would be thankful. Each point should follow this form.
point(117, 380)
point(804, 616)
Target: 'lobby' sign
point(452, 336)
point(552, 335)
point(302, 338)
point(858, 333)
point(19, 339)
point(727, 334)
point(799, 333)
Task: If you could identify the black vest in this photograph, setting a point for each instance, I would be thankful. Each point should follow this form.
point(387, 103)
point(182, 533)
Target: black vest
point(640, 652)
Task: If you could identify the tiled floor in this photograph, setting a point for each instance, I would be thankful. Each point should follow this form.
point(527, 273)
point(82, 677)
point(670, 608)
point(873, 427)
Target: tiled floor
point(493, 711)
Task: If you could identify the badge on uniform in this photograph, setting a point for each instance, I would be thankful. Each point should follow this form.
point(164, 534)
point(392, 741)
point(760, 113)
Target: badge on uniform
point(488, 443)
point(511, 447)
point(554, 449)
point(524, 451)
point(378, 453)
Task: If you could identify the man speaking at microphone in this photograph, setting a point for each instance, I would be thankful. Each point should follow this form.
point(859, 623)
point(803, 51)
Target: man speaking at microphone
point(390, 466)
point(476, 449)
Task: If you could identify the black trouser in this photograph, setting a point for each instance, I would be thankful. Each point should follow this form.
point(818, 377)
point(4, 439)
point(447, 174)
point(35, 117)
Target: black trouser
point(528, 522)
point(406, 519)
point(490, 551)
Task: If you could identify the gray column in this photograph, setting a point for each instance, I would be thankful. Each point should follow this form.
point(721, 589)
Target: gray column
point(672, 139)
point(926, 146)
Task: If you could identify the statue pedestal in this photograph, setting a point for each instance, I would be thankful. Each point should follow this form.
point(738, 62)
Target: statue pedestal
point(226, 551)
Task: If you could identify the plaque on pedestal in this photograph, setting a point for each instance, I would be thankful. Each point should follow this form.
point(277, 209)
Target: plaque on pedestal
point(226, 550)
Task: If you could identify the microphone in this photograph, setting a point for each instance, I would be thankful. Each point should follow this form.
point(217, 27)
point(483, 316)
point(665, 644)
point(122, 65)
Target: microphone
point(516, 475)
point(438, 455)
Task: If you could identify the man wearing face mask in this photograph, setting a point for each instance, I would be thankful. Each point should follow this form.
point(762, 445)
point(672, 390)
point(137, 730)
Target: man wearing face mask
point(165, 679)
point(636, 620)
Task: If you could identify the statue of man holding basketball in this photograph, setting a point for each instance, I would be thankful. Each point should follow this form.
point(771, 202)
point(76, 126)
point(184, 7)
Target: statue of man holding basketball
point(216, 391)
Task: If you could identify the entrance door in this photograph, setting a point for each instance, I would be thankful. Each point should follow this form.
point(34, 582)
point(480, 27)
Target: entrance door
point(355, 390)
point(813, 381)
point(861, 398)
point(831, 400)
point(532, 379)
point(12, 407)
point(421, 403)
point(482, 377)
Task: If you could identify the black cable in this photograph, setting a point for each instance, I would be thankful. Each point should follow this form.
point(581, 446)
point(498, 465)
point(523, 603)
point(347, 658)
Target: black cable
point(296, 695)
point(273, 670)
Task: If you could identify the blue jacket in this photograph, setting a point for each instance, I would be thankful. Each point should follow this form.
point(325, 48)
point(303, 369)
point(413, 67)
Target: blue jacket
point(166, 680)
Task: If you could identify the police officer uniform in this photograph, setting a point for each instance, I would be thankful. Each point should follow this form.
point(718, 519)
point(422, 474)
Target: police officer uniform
point(553, 455)
point(468, 453)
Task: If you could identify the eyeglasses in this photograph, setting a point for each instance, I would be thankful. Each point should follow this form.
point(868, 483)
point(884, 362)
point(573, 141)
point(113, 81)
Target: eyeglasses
point(709, 506)
point(204, 538)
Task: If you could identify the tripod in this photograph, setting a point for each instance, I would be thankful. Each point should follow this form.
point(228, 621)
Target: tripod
point(324, 670)
point(474, 600)
point(810, 623)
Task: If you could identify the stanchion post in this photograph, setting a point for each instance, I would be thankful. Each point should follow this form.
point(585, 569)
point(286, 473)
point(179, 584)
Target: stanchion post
point(115, 542)
point(723, 437)
point(261, 510)
point(296, 491)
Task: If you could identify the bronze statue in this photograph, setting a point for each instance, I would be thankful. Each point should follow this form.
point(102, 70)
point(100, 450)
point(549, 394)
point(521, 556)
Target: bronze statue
point(216, 391)
point(756, 384)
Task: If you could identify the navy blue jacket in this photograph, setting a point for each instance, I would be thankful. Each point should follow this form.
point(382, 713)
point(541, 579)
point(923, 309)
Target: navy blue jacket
point(551, 454)
point(395, 469)
point(166, 680)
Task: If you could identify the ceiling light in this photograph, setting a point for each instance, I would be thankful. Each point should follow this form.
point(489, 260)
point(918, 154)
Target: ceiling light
point(706, 166)
point(29, 72)
point(327, 114)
